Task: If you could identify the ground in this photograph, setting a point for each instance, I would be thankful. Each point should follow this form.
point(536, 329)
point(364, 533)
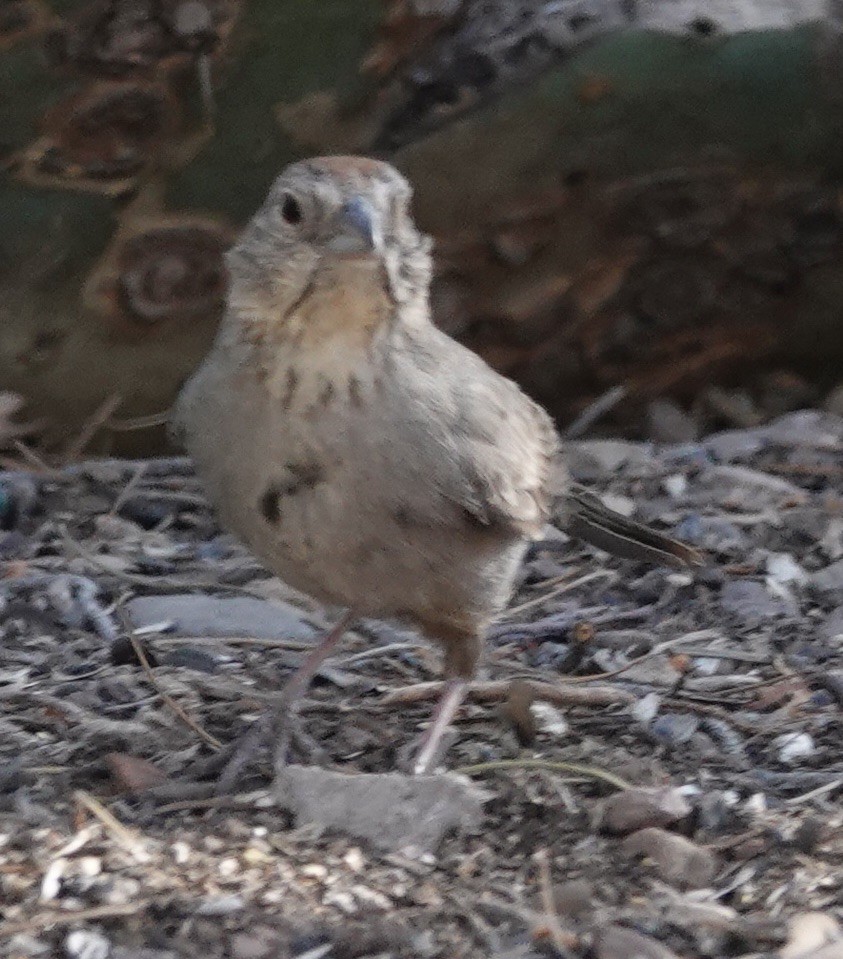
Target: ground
point(683, 801)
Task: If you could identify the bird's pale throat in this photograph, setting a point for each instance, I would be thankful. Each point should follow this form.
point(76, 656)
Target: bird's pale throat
point(344, 304)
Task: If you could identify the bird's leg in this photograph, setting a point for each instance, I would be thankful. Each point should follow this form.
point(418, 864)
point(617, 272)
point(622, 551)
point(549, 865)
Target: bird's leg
point(301, 678)
point(449, 702)
point(279, 726)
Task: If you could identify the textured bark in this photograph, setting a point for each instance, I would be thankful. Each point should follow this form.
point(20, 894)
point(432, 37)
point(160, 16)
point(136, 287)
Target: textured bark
point(636, 192)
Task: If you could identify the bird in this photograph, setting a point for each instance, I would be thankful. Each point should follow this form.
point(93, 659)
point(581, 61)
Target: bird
point(362, 454)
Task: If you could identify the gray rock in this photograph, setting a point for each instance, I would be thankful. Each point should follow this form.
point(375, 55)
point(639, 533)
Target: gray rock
point(86, 944)
point(221, 616)
point(24, 945)
point(389, 810)
point(793, 748)
point(131, 952)
point(717, 533)
point(620, 942)
point(667, 422)
point(731, 445)
point(221, 905)
point(829, 582)
point(593, 459)
point(747, 488)
point(675, 728)
point(750, 601)
point(833, 625)
point(807, 428)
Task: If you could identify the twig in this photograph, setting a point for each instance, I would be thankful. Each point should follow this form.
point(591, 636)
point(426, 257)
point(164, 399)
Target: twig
point(657, 650)
point(128, 489)
point(66, 917)
point(560, 589)
point(132, 423)
point(125, 837)
point(32, 457)
point(595, 411)
point(96, 421)
point(815, 793)
point(204, 801)
point(317, 952)
point(578, 769)
point(212, 741)
point(374, 653)
point(291, 644)
point(563, 941)
point(164, 584)
point(559, 694)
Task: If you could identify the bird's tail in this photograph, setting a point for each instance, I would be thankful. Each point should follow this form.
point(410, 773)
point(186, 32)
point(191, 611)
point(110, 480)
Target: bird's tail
point(585, 517)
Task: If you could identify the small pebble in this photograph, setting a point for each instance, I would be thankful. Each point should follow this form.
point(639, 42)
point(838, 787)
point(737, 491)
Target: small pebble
point(675, 728)
point(646, 709)
point(639, 807)
point(783, 568)
point(221, 905)
point(675, 485)
point(679, 861)
point(86, 944)
point(794, 747)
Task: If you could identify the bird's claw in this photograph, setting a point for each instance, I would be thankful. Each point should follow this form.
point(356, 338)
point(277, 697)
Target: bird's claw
point(281, 732)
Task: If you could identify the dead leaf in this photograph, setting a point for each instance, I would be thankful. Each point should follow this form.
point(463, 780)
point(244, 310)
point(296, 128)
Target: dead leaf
point(679, 861)
point(133, 774)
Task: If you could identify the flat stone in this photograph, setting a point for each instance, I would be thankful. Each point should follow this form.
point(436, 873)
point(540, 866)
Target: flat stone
point(592, 459)
point(752, 601)
point(392, 811)
point(193, 614)
point(829, 582)
point(832, 627)
point(731, 445)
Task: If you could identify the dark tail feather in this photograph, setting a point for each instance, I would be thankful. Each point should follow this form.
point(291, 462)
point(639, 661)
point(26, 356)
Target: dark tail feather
point(588, 519)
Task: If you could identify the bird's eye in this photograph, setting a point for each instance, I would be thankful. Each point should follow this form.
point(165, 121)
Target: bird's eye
point(291, 210)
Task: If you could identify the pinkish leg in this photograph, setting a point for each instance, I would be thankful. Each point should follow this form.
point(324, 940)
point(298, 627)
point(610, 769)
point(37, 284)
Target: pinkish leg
point(300, 680)
point(449, 702)
point(279, 724)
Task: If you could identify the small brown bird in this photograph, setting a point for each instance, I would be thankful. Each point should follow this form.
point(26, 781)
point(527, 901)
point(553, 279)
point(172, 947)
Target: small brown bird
point(362, 454)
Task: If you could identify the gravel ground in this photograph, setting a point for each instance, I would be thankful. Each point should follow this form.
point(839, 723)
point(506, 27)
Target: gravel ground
point(650, 764)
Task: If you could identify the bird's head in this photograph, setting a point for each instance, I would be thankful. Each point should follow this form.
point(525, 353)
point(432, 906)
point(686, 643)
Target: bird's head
point(343, 218)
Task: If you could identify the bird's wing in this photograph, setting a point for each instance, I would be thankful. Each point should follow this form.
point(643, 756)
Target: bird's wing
point(504, 445)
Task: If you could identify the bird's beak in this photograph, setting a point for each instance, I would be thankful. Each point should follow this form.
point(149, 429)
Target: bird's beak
point(358, 229)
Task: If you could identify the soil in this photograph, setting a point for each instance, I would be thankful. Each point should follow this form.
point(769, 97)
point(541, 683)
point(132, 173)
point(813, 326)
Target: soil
point(660, 751)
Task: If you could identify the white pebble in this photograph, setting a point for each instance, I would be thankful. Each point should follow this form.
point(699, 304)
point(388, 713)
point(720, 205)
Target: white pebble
point(645, 710)
point(221, 905)
point(675, 485)
point(84, 944)
point(783, 568)
point(51, 883)
point(794, 746)
point(549, 719)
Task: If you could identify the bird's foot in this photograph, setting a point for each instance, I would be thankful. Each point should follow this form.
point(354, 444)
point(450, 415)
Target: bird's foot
point(280, 732)
point(409, 755)
point(433, 743)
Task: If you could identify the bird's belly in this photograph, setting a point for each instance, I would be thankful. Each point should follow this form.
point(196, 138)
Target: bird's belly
point(325, 509)
point(341, 542)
